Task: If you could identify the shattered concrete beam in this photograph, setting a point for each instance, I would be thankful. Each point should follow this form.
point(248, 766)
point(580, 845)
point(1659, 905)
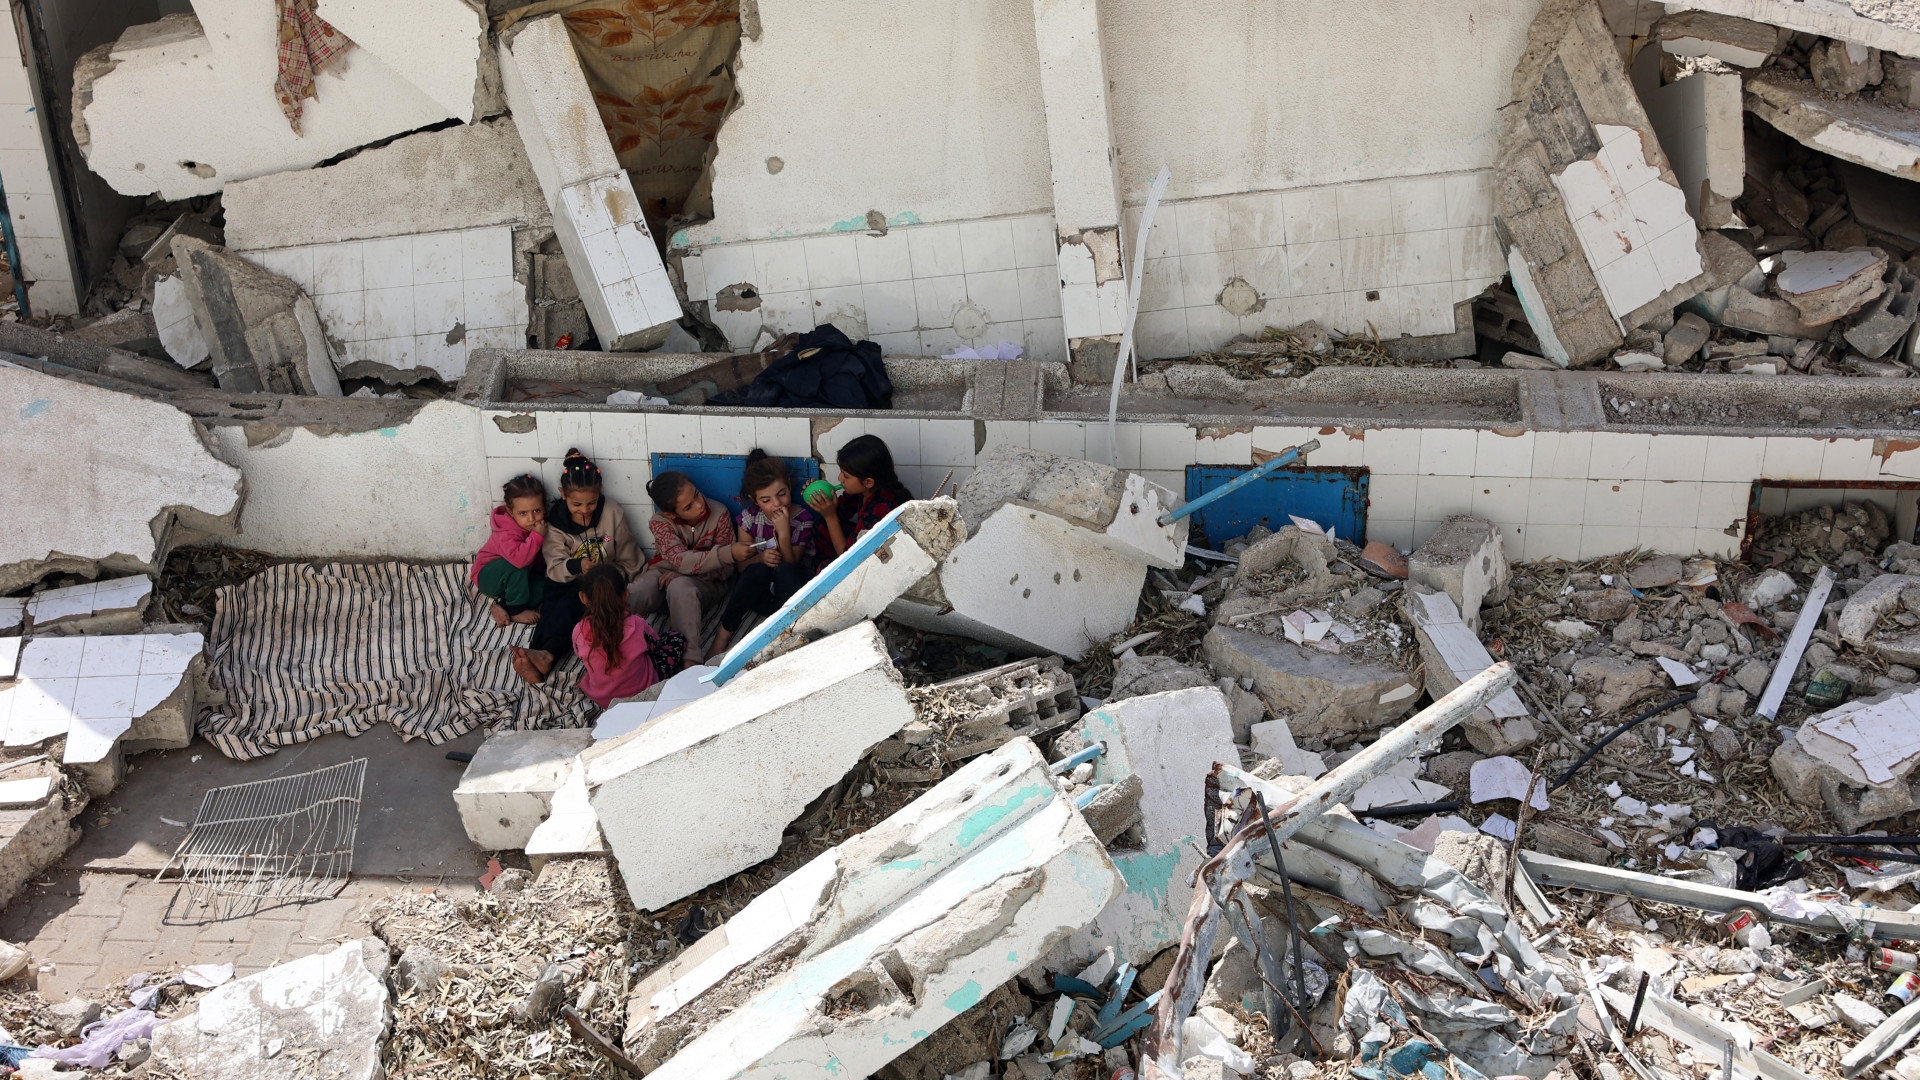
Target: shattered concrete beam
point(1086, 183)
point(1821, 18)
point(614, 259)
point(893, 933)
point(1740, 42)
point(1880, 137)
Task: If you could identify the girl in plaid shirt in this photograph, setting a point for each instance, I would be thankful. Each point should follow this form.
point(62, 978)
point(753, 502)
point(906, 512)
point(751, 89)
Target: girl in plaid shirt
point(775, 550)
point(869, 491)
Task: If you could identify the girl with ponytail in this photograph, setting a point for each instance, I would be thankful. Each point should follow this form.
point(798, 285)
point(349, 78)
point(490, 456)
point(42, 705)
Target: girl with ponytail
point(614, 644)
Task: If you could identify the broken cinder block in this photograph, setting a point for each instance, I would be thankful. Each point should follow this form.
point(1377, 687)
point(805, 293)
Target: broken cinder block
point(892, 934)
point(764, 746)
point(508, 788)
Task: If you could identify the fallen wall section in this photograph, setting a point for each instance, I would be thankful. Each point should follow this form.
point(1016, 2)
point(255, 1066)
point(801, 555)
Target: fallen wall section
point(135, 477)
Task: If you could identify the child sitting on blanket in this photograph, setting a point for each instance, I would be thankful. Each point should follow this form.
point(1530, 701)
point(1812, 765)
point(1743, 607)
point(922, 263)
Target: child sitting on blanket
point(869, 491)
point(508, 567)
point(693, 536)
point(584, 530)
point(775, 549)
point(614, 644)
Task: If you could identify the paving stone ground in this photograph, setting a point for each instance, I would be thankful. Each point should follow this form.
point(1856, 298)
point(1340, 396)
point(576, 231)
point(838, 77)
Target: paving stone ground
point(95, 929)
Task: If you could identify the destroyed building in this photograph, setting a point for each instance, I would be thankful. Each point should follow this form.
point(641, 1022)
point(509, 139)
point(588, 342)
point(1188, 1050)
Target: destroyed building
point(1394, 546)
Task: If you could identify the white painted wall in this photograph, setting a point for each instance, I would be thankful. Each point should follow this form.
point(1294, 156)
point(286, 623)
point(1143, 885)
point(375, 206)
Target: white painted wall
point(1248, 95)
point(926, 111)
point(418, 490)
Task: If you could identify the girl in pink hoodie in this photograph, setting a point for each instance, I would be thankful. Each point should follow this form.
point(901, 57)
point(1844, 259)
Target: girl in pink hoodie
point(508, 567)
point(613, 644)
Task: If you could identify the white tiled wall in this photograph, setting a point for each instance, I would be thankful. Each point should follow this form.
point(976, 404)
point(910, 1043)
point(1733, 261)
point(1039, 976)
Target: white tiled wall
point(902, 290)
point(28, 180)
point(1567, 495)
point(1633, 226)
point(397, 300)
point(1417, 246)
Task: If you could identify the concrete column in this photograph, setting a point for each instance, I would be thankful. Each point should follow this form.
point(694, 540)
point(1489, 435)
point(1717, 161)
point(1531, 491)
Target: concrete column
point(1086, 187)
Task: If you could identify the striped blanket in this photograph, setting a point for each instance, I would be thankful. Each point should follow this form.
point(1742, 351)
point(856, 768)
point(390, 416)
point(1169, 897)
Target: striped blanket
point(300, 650)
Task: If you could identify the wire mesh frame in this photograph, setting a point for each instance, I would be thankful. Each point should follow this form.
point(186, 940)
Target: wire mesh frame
point(284, 840)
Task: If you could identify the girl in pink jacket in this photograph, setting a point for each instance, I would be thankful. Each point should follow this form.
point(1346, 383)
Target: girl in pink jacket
point(508, 567)
point(613, 643)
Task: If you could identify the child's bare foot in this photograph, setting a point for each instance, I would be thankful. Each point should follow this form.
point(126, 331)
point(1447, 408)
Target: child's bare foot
point(499, 615)
point(524, 667)
point(542, 661)
point(527, 618)
point(720, 641)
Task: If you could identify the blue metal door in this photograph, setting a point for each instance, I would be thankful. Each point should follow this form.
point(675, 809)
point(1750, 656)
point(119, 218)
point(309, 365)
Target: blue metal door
point(1334, 498)
point(718, 475)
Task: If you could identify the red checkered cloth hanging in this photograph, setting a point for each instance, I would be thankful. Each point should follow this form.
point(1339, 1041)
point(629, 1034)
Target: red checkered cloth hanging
point(307, 46)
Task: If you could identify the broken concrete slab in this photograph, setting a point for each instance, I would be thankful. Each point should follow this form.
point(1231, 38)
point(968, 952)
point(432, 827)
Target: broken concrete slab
point(440, 46)
point(1323, 693)
point(1682, 343)
point(1452, 653)
point(509, 786)
point(137, 478)
point(1882, 26)
point(173, 319)
point(1118, 507)
point(1466, 559)
point(879, 579)
point(1858, 759)
point(1887, 321)
point(1828, 285)
point(37, 831)
point(1138, 676)
point(98, 607)
point(614, 259)
point(262, 330)
point(571, 828)
point(1873, 602)
point(181, 106)
point(776, 736)
point(1740, 42)
point(1765, 315)
point(1881, 137)
point(324, 1014)
point(1171, 741)
point(892, 934)
point(106, 696)
point(1601, 241)
point(448, 180)
point(1274, 739)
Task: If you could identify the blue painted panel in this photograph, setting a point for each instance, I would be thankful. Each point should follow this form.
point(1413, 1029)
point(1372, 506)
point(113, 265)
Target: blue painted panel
point(1335, 498)
point(718, 475)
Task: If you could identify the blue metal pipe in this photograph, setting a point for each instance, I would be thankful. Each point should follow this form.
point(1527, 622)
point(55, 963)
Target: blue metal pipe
point(1065, 765)
point(1085, 798)
point(1278, 461)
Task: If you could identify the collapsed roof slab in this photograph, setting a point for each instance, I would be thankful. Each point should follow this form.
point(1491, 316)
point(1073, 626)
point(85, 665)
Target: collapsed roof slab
point(706, 791)
point(1880, 137)
point(1598, 236)
point(167, 110)
point(1731, 40)
point(1823, 18)
point(614, 260)
point(436, 181)
point(126, 480)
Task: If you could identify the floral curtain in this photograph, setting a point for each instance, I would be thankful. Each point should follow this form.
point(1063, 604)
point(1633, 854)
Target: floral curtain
point(660, 71)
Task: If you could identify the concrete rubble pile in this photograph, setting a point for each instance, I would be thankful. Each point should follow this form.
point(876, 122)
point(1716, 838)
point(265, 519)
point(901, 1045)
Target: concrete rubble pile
point(1780, 245)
